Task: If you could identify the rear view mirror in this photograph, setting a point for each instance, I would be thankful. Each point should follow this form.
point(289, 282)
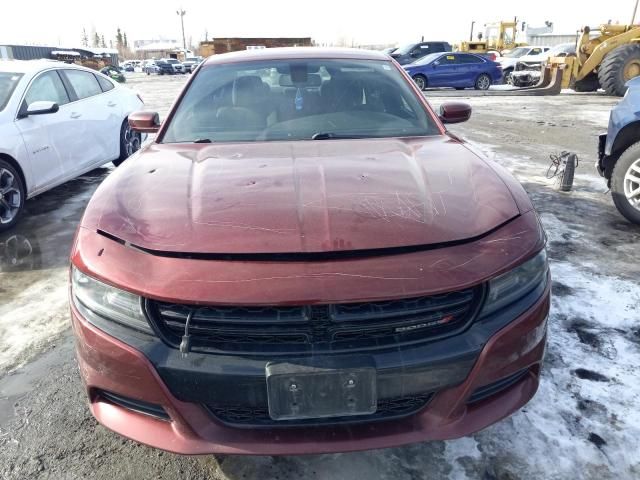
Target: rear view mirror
point(147, 122)
point(455, 112)
point(41, 108)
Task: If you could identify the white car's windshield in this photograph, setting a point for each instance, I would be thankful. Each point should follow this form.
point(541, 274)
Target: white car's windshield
point(8, 82)
point(298, 100)
point(564, 48)
point(517, 52)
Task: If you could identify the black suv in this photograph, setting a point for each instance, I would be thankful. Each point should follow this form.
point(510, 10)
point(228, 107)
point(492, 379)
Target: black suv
point(164, 68)
point(411, 52)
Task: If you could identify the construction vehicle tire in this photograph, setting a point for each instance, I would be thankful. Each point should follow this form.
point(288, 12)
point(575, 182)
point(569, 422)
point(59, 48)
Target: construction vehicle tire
point(590, 83)
point(618, 67)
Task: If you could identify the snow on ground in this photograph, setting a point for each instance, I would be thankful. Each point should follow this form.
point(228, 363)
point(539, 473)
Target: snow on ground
point(26, 325)
point(584, 420)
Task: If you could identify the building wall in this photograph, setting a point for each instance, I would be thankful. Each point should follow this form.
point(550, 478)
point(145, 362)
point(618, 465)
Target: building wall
point(551, 40)
point(224, 45)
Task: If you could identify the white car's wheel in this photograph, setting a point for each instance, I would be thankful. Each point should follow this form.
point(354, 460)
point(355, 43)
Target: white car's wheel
point(130, 142)
point(12, 195)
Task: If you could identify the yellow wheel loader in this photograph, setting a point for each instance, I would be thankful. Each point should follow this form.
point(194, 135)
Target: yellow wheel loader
point(605, 61)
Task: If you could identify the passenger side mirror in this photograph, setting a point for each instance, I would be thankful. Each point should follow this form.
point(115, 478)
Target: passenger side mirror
point(41, 108)
point(455, 112)
point(147, 122)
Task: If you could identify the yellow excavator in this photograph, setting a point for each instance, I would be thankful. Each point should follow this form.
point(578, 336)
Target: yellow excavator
point(498, 36)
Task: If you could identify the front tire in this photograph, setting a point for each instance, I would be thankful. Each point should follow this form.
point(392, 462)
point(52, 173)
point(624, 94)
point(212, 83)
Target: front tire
point(625, 184)
point(483, 82)
point(590, 83)
point(12, 195)
point(618, 67)
point(506, 76)
point(421, 81)
point(130, 142)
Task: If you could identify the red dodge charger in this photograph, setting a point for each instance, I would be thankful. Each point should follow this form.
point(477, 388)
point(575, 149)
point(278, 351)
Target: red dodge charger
point(305, 260)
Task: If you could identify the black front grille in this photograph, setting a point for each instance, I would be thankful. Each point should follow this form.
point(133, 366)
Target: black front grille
point(316, 328)
point(388, 409)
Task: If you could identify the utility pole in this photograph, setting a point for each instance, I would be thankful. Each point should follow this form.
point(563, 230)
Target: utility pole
point(635, 10)
point(473, 22)
point(181, 12)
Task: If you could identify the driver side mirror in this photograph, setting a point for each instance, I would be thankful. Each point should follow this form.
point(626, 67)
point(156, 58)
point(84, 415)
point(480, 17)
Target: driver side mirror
point(455, 112)
point(146, 122)
point(40, 108)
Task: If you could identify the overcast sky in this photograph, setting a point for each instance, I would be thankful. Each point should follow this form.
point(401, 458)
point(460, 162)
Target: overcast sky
point(364, 22)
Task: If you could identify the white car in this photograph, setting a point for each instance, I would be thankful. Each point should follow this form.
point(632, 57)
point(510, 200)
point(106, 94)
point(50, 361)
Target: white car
point(191, 63)
point(57, 121)
point(518, 54)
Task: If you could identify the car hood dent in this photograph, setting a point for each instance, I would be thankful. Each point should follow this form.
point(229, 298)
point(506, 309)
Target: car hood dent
point(284, 197)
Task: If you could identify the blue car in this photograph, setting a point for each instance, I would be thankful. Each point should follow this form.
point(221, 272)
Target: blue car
point(619, 153)
point(457, 70)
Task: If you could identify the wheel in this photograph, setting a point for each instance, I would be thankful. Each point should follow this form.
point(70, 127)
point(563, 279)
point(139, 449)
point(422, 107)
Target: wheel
point(130, 142)
point(506, 76)
point(421, 81)
point(625, 184)
point(619, 66)
point(148, 72)
point(12, 195)
point(590, 83)
point(483, 82)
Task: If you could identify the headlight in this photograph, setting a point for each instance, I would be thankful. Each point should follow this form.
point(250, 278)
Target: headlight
point(513, 285)
point(94, 298)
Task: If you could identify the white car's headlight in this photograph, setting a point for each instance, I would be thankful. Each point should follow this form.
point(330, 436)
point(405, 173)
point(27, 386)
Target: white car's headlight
point(94, 298)
point(515, 284)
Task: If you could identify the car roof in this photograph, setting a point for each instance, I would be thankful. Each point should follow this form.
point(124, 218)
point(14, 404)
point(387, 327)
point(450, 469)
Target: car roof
point(287, 53)
point(27, 66)
point(35, 66)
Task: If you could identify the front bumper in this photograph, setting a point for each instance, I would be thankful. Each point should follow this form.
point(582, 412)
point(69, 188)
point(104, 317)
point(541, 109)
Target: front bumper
point(143, 369)
point(600, 164)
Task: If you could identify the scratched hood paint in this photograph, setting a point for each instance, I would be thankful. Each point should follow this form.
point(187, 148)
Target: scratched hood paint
point(313, 196)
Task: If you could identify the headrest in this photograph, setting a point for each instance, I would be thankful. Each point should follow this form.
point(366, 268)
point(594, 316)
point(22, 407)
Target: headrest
point(247, 90)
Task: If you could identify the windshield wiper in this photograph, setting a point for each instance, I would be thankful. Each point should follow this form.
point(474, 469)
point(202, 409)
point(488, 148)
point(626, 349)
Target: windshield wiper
point(336, 136)
point(202, 140)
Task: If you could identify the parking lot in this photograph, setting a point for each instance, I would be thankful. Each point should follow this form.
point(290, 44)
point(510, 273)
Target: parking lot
point(583, 423)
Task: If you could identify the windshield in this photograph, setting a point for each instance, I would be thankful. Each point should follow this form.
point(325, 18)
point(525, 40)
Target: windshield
point(172, 60)
point(298, 100)
point(191, 59)
point(427, 59)
point(517, 52)
point(404, 49)
point(564, 48)
point(8, 82)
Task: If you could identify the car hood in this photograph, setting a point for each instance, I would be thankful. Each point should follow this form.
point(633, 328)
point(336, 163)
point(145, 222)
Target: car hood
point(309, 196)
